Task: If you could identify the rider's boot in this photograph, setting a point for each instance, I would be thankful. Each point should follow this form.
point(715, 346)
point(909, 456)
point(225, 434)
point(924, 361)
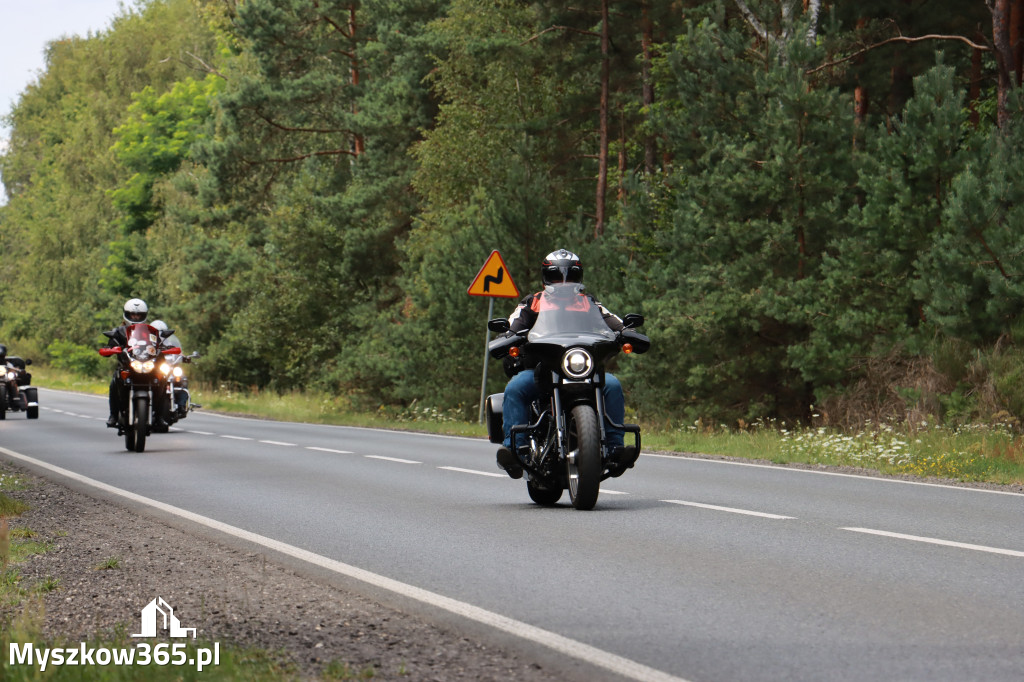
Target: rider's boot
point(507, 461)
point(623, 457)
point(112, 421)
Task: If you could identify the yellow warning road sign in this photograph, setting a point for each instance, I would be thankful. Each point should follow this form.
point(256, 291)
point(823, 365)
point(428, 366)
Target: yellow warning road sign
point(494, 280)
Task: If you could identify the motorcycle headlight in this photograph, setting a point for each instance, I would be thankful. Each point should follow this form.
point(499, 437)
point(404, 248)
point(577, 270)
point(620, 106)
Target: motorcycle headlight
point(143, 367)
point(165, 369)
point(177, 372)
point(577, 363)
point(12, 376)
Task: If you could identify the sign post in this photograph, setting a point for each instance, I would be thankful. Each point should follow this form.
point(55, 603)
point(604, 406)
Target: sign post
point(493, 281)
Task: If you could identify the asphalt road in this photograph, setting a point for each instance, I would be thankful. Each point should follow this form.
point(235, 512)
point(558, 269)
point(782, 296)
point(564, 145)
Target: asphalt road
point(688, 569)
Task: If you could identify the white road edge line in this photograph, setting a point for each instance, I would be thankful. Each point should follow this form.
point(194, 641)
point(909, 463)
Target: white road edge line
point(559, 643)
point(277, 442)
point(935, 541)
point(392, 459)
point(203, 433)
point(474, 471)
point(729, 509)
point(236, 437)
point(794, 470)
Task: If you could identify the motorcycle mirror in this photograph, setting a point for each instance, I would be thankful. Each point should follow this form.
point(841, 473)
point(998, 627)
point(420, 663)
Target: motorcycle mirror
point(109, 334)
point(28, 361)
point(498, 325)
point(632, 320)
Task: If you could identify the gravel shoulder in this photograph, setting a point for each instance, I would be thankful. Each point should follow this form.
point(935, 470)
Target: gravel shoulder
point(231, 596)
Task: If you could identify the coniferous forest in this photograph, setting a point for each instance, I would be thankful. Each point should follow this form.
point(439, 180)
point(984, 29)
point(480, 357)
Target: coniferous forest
point(818, 206)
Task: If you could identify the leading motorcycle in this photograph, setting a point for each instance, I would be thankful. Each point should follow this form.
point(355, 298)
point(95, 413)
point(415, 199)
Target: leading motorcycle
point(566, 444)
point(140, 381)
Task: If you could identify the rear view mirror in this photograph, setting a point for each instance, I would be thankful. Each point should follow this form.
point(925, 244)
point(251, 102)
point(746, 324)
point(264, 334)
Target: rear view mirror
point(498, 325)
point(632, 320)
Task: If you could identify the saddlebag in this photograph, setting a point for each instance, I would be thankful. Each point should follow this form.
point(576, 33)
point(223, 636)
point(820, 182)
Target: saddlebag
point(495, 430)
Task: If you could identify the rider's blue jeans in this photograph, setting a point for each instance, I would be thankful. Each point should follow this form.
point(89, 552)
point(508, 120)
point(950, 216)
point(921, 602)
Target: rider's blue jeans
point(521, 390)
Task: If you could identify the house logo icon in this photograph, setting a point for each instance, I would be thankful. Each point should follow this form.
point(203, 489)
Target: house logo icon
point(150, 622)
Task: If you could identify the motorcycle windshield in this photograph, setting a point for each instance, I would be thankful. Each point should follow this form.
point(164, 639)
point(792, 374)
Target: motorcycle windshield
point(566, 315)
point(142, 341)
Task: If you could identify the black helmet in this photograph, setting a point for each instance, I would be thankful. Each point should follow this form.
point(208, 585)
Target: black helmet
point(561, 266)
point(3, 351)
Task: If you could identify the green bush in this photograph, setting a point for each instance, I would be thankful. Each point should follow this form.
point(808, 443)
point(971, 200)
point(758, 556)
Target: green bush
point(76, 358)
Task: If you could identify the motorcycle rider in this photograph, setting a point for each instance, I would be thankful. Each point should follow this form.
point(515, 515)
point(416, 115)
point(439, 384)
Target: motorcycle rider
point(558, 266)
point(135, 311)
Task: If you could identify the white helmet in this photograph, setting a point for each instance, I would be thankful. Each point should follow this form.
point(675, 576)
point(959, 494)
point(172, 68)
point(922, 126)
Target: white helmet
point(160, 324)
point(135, 311)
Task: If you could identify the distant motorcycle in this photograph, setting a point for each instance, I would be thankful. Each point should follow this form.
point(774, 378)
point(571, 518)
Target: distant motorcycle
point(137, 370)
point(16, 394)
point(565, 446)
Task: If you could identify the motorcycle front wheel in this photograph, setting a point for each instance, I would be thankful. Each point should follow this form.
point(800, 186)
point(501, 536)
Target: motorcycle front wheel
point(3, 401)
point(583, 461)
point(135, 432)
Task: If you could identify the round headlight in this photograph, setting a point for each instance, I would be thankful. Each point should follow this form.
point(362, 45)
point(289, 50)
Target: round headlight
point(165, 369)
point(577, 363)
point(177, 372)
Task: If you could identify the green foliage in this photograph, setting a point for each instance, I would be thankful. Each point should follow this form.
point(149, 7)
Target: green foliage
point(306, 189)
point(76, 358)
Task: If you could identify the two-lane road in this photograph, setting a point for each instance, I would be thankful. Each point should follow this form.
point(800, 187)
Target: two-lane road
point(689, 569)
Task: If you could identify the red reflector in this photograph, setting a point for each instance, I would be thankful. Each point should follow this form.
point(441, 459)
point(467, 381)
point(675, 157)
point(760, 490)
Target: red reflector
point(627, 348)
point(514, 351)
point(124, 373)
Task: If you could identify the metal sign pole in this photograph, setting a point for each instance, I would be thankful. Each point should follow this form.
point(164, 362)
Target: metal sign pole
point(487, 342)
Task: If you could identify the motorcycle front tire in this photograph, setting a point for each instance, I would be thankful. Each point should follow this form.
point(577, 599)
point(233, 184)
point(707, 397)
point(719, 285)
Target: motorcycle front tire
point(3, 401)
point(584, 469)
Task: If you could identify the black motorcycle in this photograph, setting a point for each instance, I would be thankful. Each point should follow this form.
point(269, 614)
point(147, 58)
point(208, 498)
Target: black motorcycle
point(565, 446)
point(16, 394)
point(140, 380)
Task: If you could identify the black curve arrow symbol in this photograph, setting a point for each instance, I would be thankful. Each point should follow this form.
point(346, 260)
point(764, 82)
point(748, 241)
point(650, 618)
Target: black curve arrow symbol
point(496, 280)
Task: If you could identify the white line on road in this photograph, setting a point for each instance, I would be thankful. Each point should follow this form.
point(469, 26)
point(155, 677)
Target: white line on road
point(337, 452)
point(277, 442)
point(559, 643)
point(393, 459)
point(474, 471)
point(935, 541)
point(729, 509)
point(612, 492)
point(203, 433)
point(236, 437)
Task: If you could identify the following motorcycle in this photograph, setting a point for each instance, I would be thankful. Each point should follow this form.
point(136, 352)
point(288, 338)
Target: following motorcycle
point(566, 445)
point(15, 392)
point(140, 382)
point(174, 385)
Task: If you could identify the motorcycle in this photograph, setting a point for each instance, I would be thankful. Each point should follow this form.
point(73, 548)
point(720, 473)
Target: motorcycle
point(174, 385)
point(137, 370)
point(15, 392)
point(565, 446)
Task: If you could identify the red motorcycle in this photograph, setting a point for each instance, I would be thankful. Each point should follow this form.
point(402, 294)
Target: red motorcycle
point(140, 380)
